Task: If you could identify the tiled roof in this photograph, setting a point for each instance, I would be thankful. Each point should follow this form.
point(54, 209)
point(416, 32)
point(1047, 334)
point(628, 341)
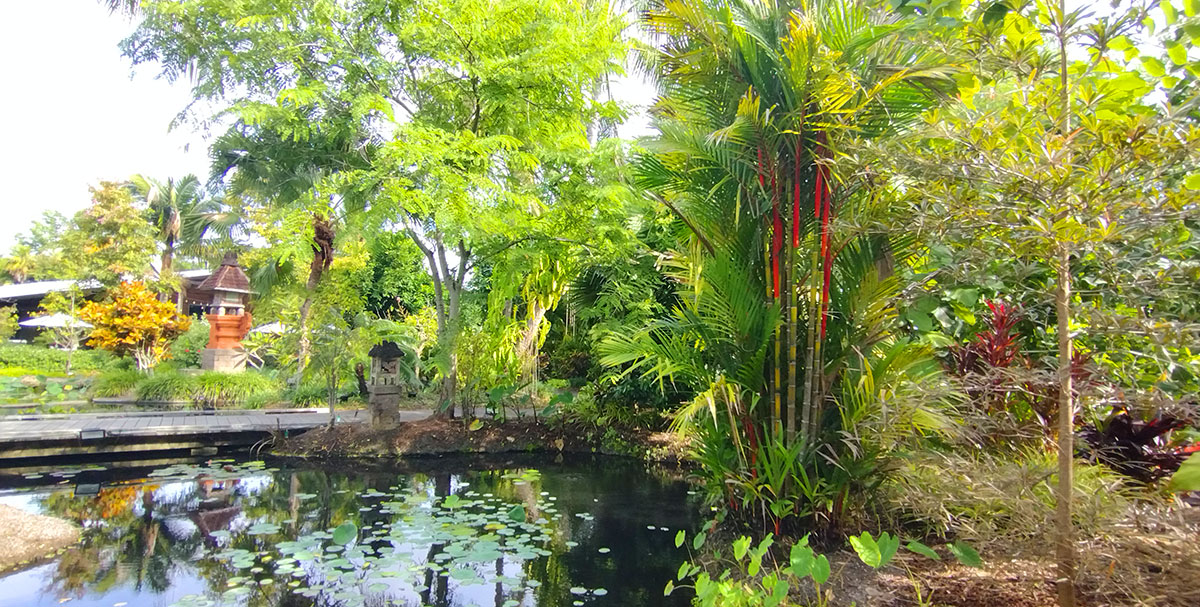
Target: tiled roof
point(228, 277)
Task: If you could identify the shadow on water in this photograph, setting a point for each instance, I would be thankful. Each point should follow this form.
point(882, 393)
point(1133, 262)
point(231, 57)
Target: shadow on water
point(445, 532)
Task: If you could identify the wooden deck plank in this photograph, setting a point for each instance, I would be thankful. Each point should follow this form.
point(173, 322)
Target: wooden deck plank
point(54, 429)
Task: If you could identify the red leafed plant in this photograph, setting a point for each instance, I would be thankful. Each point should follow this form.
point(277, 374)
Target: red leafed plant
point(997, 346)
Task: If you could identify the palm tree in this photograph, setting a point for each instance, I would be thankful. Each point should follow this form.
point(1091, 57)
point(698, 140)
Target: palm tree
point(21, 263)
point(756, 99)
point(179, 213)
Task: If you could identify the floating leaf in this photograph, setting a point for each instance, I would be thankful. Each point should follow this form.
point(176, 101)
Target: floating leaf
point(345, 533)
point(517, 513)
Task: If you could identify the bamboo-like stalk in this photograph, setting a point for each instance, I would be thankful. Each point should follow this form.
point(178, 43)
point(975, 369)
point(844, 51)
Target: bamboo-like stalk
point(793, 302)
point(807, 421)
point(776, 250)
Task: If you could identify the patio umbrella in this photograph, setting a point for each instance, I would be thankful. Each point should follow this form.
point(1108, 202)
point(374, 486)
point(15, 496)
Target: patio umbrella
point(55, 321)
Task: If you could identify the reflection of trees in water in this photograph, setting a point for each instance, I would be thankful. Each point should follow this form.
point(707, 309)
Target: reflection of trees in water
point(119, 545)
point(138, 537)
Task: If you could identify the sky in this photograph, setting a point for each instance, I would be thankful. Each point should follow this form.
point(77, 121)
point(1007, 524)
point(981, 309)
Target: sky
point(74, 113)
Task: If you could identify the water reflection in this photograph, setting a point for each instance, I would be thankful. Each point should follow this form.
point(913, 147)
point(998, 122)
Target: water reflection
point(434, 533)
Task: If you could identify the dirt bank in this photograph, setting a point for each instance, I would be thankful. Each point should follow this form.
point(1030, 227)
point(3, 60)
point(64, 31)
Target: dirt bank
point(446, 436)
point(29, 538)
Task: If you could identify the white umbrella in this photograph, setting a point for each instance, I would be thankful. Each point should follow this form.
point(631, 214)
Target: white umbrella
point(274, 328)
point(55, 321)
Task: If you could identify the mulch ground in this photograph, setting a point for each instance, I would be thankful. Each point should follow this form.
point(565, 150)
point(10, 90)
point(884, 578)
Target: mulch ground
point(438, 436)
point(29, 538)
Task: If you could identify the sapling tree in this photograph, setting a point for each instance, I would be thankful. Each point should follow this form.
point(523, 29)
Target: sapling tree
point(1061, 152)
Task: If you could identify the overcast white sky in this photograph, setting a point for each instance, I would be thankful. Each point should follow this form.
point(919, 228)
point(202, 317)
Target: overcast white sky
point(72, 115)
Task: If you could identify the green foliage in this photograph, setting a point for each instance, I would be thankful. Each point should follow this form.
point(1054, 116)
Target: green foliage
point(398, 284)
point(307, 395)
point(167, 385)
point(8, 322)
point(216, 389)
point(1187, 478)
point(110, 240)
point(118, 382)
point(571, 358)
point(875, 553)
point(50, 360)
point(188, 349)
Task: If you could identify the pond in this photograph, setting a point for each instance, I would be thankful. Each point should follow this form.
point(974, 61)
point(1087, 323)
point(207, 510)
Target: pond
point(499, 533)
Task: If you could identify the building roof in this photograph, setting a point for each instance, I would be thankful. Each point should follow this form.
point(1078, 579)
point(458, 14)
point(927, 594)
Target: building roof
point(30, 290)
point(228, 277)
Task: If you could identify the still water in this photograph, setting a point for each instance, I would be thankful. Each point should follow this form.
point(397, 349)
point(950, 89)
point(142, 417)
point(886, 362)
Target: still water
point(495, 533)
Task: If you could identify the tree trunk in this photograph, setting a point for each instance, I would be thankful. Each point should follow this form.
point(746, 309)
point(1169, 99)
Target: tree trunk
point(1064, 545)
point(323, 237)
point(527, 348)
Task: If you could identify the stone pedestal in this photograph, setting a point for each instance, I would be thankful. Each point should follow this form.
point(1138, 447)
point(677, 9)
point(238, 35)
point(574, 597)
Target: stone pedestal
point(223, 359)
point(224, 351)
point(384, 406)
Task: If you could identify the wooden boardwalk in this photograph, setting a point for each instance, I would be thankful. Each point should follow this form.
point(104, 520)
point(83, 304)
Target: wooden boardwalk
point(97, 434)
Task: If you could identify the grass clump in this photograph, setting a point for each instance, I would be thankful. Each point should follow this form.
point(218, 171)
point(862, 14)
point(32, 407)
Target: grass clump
point(119, 382)
point(309, 395)
point(167, 386)
point(214, 388)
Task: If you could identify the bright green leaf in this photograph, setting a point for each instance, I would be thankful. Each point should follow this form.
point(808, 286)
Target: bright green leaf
point(1153, 66)
point(1187, 478)
point(965, 554)
point(923, 550)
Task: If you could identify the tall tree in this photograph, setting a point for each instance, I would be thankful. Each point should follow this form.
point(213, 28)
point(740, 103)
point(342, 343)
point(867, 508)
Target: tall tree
point(181, 214)
point(109, 241)
point(787, 290)
point(485, 91)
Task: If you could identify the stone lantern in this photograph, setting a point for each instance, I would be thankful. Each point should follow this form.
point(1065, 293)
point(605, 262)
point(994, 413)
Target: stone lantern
point(386, 383)
point(228, 320)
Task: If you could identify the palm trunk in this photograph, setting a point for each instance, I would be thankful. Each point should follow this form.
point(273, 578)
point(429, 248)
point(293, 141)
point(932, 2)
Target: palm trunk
point(323, 237)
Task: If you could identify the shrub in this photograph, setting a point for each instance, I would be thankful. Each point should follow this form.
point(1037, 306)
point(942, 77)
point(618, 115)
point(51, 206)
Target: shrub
point(188, 348)
point(572, 358)
point(8, 322)
point(308, 395)
point(116, 383)
point(167, 386)
point(51, 361)
point(214, 388)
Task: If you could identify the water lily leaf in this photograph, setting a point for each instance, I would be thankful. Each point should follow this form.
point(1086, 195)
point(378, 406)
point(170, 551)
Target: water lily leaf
point(517, 513)
point(345, 533)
